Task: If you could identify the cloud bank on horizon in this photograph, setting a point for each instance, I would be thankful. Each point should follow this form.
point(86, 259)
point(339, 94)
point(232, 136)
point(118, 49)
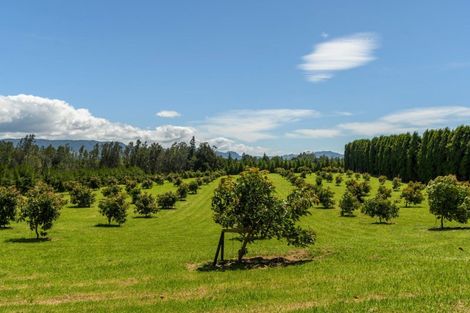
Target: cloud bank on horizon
point(238, 130)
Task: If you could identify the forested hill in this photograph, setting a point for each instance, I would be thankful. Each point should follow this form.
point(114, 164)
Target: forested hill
point(413, 156)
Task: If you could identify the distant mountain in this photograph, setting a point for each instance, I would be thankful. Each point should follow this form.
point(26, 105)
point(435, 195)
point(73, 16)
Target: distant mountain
point(75, 145)
point(329, 154)
point(225, 155)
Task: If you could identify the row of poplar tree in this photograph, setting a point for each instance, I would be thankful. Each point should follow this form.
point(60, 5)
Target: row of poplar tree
point(412, 156)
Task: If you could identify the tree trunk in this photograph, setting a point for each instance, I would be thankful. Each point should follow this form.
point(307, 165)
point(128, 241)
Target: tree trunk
point(242, 251)
point(36, 230)
point(442, 222)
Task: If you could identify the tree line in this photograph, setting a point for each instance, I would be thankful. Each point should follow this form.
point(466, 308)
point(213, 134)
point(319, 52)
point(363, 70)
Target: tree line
point(26, 163)
point(413, 157)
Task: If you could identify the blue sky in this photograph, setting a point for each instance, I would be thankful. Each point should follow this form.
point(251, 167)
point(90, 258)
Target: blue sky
point(251, 76)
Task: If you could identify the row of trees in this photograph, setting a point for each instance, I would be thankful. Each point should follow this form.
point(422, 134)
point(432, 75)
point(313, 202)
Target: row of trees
point(411, 156)
point(24, 164)
point(41, 205)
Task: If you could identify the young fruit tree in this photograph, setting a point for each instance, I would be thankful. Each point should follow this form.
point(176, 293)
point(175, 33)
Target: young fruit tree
point(147, 183)
point(111, 190)
point(9, 199)
point(248, 205)
point(382, 179)
point(182, 191)
point(338, 180)
point(348, 204)
point(412, 193)
point(41, 208)
point(384, 192)
point(81, 196)
point(396, 183)
point(193, 186)
point(383, 209)
point(114, 207)
point(448, 199)
point(167, 200)
point(326, 198)
point(360, 190)
point(146, 205)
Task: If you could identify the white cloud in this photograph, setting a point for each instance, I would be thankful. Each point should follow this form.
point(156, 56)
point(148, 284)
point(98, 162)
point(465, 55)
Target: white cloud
point(339, 54)
point(168, 114)
point(314, 133)
point(225, 144)
point(56, 119)
point(410, 120)
point(252, 125)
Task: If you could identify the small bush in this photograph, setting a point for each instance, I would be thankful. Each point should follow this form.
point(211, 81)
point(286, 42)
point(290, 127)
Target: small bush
point(146, 205)
point(9, 198)
point(147, 184)
point(82, 196)
point(167, 200)
point(193, 187)
point(348, 204)
point(182, 191)
point(114, 207)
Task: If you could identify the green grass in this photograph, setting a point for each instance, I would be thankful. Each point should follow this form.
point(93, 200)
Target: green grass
point(147, 265)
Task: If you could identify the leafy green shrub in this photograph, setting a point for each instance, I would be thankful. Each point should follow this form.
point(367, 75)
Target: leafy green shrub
point(147, 183)
point(111, 190)
point(135, 194)
point(9, 199)
point(182, 191)
point(448, 199)
point(338, 180)
point(382, 179)
point(360, 190)
point(384, 192)
point(381, 208)
point(412, 193)
point(396, 183)
point(41, 208)
point(348, 204)
point(81, 196)
point(249, 205)
point(167, 200)
point(326, 197)
point(146, 205)
point(114, 207)
point(193, 187)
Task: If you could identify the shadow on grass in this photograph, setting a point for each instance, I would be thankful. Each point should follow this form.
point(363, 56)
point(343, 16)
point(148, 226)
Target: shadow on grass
point(449, 228)
point(144, 216)
point(107, 225)
point(348, 216)
point(5, 227)
point(27, 240)
point(383, 223)
point(258, 262)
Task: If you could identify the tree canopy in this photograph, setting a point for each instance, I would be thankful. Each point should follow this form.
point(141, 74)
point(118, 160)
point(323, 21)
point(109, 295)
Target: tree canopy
point(248, 205)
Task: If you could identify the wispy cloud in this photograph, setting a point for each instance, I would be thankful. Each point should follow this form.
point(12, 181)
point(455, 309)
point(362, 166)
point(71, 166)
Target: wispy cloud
point(168, 114)
point(338, 55)
point(314, 133)
point(410, 120)
point(252, 125)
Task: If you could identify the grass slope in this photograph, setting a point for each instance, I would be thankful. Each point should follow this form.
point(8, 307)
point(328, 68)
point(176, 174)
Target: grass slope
point(147, 265)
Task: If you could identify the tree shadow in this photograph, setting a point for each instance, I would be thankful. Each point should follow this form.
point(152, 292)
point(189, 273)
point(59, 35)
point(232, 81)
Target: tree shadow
point(258, 262)
point(144, 216)
point(5, 227)
point(107, 225)
point(27, 240)
point(449, 228)
point(348, 216)
point(383, 223)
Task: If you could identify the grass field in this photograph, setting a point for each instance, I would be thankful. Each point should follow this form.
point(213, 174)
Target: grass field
point(150, 265)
